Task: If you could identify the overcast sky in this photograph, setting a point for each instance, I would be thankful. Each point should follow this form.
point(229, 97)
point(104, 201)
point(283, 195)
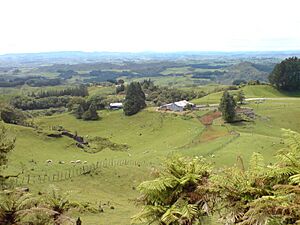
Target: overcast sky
point(149, 25)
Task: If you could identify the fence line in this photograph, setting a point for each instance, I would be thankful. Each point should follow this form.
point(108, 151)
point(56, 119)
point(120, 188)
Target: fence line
point(237, 135)
point(70, 173)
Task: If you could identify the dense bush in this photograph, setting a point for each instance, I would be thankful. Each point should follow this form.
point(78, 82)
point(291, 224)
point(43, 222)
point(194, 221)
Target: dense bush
point(120, 88)
point(162, 95)
point(11, 115)
point(253, 82)
point(6, 145)
point(83, 109)
point(30, 81)
point(30, 103)
point(239, 82)
point(80, 90)
point(286, 75)
point(39, 82)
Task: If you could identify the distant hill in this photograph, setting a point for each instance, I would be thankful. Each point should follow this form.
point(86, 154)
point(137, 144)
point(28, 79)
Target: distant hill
point(73, 57)
point(247, 71)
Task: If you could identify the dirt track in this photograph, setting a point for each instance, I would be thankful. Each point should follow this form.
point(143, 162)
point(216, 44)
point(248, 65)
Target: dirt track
point(284, 98)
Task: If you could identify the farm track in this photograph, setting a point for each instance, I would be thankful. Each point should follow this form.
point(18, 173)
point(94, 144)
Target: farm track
point(283, 98)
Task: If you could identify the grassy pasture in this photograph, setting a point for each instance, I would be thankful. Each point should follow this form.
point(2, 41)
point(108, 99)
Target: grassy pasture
point(254, 91)
point(151, 136)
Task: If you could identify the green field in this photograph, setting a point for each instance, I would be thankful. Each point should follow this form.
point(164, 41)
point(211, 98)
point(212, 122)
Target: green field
point(258, 91)
point(151, 137)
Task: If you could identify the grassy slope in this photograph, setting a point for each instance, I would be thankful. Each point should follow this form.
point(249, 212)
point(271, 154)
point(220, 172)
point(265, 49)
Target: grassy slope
point(255, 91)
point(151, 136)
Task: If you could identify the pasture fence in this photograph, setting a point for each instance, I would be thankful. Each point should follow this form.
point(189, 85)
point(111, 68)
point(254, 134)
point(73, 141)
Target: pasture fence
point(237, 135)
point(70, 173)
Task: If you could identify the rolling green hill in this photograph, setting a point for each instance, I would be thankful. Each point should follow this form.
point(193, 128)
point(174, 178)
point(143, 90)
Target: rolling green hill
point(151, 136)
point(251, 91)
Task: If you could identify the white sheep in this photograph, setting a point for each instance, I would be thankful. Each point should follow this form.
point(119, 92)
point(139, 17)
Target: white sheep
point(72, 162)
point(84, 162)
point(78, 161)
point(49, 161)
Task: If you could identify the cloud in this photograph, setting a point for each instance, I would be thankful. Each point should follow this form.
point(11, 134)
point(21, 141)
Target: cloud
point(148, 25)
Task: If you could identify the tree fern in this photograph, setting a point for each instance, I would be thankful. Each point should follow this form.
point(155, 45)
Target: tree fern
point(172, 198)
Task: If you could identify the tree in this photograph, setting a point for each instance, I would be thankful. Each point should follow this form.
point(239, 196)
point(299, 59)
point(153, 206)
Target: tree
point(74, 102)
point(120, 81)
point(78, 111)
point(240, 97)
point(91, 113)
point(227, 107)
point(6, 145)
point(286, 75)
point(11, 115)
point(98, 100)
point(239, 82)
point(120, 88)
point(134, 100)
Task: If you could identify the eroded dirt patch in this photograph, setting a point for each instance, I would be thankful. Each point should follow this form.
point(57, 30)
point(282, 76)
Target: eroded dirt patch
point(209, 118)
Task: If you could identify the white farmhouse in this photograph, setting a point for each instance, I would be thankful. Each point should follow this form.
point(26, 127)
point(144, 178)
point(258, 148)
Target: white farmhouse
point(116, 105)
point(177, 106)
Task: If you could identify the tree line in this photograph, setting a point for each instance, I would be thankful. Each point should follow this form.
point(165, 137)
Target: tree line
point(286, 75)
point(30, 81)
point(30, 103)
point(163, 95)
point(80, 90)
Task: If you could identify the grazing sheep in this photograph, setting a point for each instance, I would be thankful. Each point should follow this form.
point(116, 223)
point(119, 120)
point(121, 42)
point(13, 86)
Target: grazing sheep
point(84, 162)
point(49, 161)
point(61, 162)
point(78, 161)
point(72, 162)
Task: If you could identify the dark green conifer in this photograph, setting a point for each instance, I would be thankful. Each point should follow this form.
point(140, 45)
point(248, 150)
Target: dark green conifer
point(134, 100)
point(227, 107)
